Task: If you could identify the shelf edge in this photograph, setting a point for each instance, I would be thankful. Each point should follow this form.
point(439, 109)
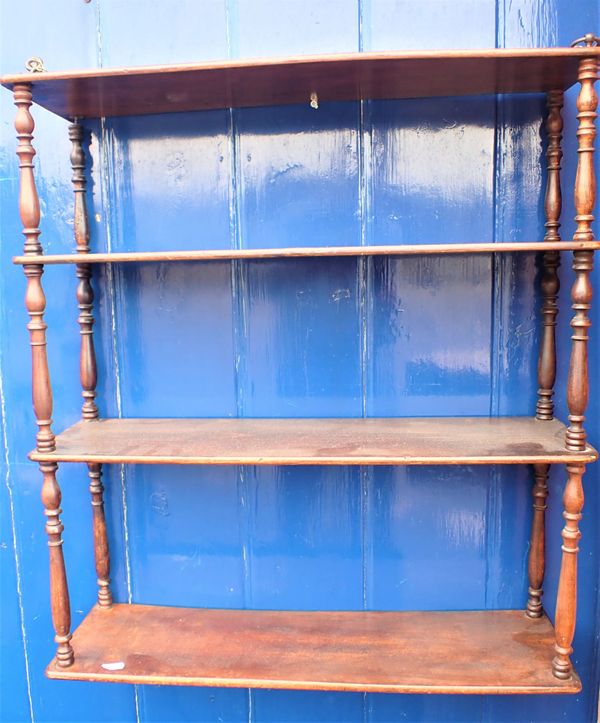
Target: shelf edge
point(306, 251)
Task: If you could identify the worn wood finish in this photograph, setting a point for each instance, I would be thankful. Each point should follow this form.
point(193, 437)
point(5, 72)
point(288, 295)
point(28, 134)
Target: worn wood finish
point(566, 601)
point(35, 300)
point(59, 591)
point(551, 260)
point(396, 652)
point(85, 293)
point(434, 440)
point(101, 551)
point(309, 251)
point(537, 547)
point(550, 287)
point(581, 293)
point(578, 383)
point(275, 81)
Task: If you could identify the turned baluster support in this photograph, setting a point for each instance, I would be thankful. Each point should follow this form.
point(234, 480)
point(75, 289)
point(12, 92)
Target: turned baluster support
point(551, 260)
point(85, 293)
point(87, 359)
point(35, 302)
point(537, 549)
point(566, 603)
point(101, 552)
point(578, 384)
point(547, 355)
point(59, 593)
point(581, 293)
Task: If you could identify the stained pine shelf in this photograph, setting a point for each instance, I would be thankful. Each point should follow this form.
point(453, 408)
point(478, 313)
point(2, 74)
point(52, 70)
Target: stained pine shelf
point(307, 251)
point(501, 651)
point(276, 81)
point(407, 441)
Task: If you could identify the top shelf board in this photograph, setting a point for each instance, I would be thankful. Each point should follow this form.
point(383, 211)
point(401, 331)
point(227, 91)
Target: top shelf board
point(280, 81)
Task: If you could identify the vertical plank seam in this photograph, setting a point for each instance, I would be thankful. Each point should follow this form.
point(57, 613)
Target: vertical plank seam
point(363, 267)
point(108, 191)
point(491, 492)
point(115, 293)
point(239, 325)
point(238, 318)
point(497, 335)
point(11, 504)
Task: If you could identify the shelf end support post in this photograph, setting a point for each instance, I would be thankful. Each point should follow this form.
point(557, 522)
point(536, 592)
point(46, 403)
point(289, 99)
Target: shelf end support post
point(35, 302)
point(566, 602)
point(87, 358)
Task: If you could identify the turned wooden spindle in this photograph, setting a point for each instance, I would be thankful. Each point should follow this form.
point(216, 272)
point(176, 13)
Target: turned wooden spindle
point(101, 553)
point(87, 359)
point(581, 293)
point(551, 260)
point(537, 549)
point(547, 356)
point(566, 602)
point(35, 300)
point(59, 591)
point(85, 294)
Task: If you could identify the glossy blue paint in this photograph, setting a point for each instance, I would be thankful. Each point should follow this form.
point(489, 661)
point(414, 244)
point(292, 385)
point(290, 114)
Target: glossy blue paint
point(288, 338)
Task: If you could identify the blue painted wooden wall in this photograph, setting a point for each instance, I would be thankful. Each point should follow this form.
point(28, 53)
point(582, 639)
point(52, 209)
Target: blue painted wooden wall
point(288, 338)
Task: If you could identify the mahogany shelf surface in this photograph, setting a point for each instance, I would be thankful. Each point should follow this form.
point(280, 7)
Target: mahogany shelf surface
point(295, 252)
point(375, 441)
point(274, 81)
point(500, 651)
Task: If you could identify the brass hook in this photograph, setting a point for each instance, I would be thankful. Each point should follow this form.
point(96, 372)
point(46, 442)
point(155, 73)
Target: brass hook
point(35, 65)
point(589, 39)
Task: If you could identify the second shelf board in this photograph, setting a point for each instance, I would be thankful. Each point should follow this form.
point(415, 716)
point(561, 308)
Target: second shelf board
point(374, 441)
point(500, 651)
point(308, 251)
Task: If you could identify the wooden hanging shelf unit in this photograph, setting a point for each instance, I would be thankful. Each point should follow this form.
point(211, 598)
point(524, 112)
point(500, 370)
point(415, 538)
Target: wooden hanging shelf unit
point(504, 651)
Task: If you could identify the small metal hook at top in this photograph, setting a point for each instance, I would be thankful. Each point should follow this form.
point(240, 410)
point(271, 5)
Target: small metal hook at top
point(35, 65)
point(589, 39)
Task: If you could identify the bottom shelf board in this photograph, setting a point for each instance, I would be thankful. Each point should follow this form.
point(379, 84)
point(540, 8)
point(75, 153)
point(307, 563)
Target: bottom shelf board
point(500, 651)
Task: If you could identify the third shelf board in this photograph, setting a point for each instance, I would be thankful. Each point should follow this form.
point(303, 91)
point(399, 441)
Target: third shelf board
point(308, 251)
point(373, 441)
point(501, 651)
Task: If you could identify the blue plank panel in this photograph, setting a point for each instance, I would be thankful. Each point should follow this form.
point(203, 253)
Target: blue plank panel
point(14, 683)
point(444, 566)
point(169, 181)
point(291, 338)
point(305, 544)
point(411, 24)
point(299, 339)
point(430, 179)
point(298, 176)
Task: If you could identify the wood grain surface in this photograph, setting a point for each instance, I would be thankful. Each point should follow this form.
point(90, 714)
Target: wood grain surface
point(274, 81)
point(435, 440)
point(295, 252)
point(501, 651)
